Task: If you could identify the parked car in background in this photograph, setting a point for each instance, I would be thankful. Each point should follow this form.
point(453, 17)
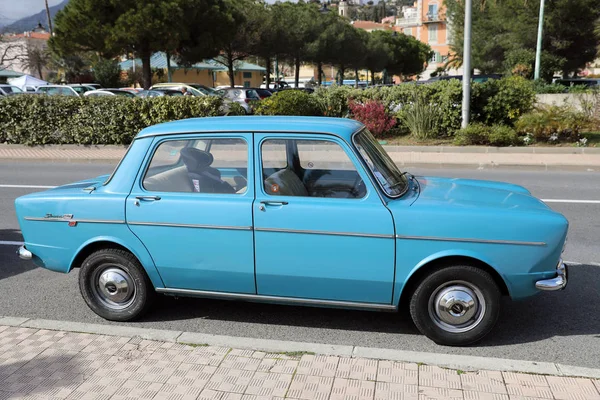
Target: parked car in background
point(262, 93)
point(57, 90)
point(158, 92)
point(295, 210)
point(242, 96)
point(184, 88)
point(132, 90)
point(7, 90)
point(474, 78)
point(588, 83)
point(109, 92)
point(80, 88)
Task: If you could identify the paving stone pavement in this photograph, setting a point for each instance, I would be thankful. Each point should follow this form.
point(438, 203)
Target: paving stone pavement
point(48, 364)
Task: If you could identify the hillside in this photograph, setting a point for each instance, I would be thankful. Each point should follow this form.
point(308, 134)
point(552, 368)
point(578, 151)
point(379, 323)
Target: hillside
point(28, 23)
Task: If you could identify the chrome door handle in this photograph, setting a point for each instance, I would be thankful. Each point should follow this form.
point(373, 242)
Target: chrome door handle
point(274, 203)
point(148, 198)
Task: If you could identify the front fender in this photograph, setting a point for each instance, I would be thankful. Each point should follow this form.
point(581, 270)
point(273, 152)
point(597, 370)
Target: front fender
point(135, 246)
point(408, 266)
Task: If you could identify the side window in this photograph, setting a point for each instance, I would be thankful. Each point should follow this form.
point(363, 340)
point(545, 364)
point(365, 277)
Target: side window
point(199, 166)
point(322, 169)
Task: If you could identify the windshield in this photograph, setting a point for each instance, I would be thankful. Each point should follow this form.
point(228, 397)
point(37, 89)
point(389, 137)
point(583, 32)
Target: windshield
point(11, 89)
point(389, 177)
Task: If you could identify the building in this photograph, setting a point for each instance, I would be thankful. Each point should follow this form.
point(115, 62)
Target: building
point(371, 26)
point(426, 21)
point(15, 50)
point(209, 72)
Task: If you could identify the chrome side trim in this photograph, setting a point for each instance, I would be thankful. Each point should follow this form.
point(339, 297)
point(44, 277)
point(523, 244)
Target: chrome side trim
point(24, 254)
point(557, 283)
point(88, 221)
point(353, 234)
point(233, 228)
point(289, 300)
point(471, 240)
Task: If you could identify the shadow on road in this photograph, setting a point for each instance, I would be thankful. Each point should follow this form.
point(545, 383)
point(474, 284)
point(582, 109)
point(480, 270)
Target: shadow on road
point(570, 312)
point(11, 263)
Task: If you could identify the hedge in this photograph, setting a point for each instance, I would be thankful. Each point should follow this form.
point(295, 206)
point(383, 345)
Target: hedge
point(38, 120)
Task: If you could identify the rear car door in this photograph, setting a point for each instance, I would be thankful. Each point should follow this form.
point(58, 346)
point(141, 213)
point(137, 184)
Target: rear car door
point(191, 206)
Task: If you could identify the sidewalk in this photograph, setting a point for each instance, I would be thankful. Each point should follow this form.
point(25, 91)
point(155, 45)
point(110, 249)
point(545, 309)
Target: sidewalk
point(55, 364)
point(440, 156)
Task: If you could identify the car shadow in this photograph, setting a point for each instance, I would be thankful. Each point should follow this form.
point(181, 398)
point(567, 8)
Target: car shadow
point(11, 263)
point(565, 313)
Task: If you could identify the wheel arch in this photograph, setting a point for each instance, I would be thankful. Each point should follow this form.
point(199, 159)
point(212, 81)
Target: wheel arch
point(440, 261)
point(99, 243)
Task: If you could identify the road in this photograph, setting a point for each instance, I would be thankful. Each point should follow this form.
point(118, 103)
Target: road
point(555, 327)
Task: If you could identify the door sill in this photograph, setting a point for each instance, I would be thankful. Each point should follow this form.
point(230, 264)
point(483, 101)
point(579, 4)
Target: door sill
point(278, 299)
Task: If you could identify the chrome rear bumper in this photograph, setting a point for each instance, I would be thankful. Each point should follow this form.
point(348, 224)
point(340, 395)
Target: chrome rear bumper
point(557, 283)
point(24, 254)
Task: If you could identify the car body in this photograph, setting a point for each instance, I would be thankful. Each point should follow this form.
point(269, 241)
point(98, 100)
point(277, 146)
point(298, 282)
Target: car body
point(242, 96)
point(81, 88)
point(110, 92)
point(185, 88)
point(159, 92)
point(294, 210)
point(57, 90)
point(262, 93)
point(7, 90)
point(592, 83)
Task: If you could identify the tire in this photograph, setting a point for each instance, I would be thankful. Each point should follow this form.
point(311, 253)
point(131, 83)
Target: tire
point(439, 316)
point(126, 292)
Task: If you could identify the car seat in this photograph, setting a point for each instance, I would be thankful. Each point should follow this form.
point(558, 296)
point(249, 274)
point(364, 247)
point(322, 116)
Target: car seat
point(203, 177)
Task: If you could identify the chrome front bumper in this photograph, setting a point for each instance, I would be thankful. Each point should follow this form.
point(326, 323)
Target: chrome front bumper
point(24, 254)
point(558, 283)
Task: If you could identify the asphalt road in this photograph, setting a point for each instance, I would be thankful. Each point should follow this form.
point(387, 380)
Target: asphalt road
point(556, 327)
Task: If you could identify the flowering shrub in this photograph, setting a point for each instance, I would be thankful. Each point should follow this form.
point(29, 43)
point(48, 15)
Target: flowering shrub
point(373, 114)
point(554, 124)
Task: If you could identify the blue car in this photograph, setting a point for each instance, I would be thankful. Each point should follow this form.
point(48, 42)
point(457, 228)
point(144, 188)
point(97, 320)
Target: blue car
point(294, 210)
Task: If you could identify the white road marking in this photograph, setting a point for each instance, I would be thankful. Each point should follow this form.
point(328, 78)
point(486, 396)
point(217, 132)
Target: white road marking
point(9, 243)
point(26, 187)
point(571, 201)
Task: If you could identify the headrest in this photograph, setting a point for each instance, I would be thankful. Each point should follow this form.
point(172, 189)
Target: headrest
point(195, 159)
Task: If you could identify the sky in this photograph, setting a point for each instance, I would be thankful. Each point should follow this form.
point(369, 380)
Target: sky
point(12, 10)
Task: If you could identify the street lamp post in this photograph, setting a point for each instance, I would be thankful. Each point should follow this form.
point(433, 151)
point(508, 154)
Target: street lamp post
point(467, 65)
point(538, 50)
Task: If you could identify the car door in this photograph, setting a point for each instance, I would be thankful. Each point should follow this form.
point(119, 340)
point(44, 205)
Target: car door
point(191, 206)
point(333, 243)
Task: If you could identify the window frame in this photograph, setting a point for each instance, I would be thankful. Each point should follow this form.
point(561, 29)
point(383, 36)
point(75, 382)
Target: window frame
point(209, 137)
point(432, 28)
point(294, 162)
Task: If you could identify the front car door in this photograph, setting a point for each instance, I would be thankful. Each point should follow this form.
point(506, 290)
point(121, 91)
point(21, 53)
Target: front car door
point(191, 206)
point(321, 229)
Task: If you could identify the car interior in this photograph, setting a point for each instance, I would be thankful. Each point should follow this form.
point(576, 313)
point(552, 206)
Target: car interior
point(195, 166)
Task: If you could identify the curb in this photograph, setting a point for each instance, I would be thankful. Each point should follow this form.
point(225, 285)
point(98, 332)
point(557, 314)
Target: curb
point(460, 362)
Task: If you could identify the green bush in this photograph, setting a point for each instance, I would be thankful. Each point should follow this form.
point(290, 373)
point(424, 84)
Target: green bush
point(420, 116)
point(481, 134)
point(554, 124)
point(39, 120)
point(290, 102)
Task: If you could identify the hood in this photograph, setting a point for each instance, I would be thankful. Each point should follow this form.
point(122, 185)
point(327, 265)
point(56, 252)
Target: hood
point(467, 192)
point(72, 188)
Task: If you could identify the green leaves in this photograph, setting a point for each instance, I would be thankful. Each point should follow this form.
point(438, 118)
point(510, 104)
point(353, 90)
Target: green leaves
point(39, 120)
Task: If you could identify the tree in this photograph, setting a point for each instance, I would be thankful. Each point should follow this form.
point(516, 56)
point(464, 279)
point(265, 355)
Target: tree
point(249, 21)
point(505, 27)
point(320, 49)
point(107, 73)
point(406, 55)
point(267, 46)
point(296, 24)
point(37, 59)
point(377, 54)
point(142, 27)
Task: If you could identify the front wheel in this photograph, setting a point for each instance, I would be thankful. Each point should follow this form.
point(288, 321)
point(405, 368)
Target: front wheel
point(456, 305)
point(114, 285)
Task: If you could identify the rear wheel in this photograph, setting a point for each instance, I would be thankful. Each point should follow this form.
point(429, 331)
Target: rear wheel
point(114, 285)
point(456, 305)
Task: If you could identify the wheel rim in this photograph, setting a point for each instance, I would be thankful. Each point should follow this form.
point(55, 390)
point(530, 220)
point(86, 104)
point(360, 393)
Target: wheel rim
point(113, 287)
point(457, 306)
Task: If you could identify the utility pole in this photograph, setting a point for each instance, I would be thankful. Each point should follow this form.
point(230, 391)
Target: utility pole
point(538, 50)
point(467, 65)
point(49, 18)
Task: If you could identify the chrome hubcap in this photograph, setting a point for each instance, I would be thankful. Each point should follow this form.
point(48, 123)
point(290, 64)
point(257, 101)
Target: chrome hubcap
point(113, 287)
point(457, 306)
